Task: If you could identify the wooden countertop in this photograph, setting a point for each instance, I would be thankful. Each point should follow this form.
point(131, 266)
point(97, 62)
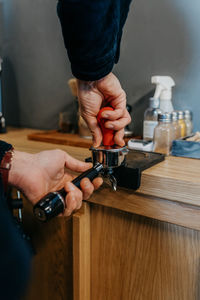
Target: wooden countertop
point(176, 180)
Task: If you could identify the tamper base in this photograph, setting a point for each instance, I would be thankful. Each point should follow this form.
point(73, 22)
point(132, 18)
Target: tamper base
point(109, 157)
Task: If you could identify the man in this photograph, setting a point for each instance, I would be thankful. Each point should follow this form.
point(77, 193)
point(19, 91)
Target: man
point(36, 175)
point(92, 31)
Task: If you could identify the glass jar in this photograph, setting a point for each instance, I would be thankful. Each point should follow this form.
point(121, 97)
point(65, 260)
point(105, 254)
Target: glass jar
point(164, 134)
point(176, 126)
point(188, 122)
point(151, 119)
point(181, 122)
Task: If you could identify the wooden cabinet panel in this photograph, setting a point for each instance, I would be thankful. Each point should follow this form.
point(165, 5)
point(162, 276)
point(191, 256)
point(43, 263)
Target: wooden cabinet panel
point(137, 258)
point(52, 275)
point(117, 256)
point(81, 253)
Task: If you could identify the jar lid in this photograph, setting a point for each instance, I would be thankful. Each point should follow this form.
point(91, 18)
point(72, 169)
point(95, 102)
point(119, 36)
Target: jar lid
point(180, 115)
point(188, 114)
point(174, 115)
point(166, 117)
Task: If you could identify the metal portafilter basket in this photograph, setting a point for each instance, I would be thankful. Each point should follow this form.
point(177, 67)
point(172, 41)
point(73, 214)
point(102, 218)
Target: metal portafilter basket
point(104, 158)
point(110, 159)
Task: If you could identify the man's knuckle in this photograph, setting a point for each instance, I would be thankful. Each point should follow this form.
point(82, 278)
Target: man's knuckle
point(90, 189)
point(67, 213)
point(79, 194)
point(123, 94)
point(58, 152)
point(73, 206)
point(129, 119)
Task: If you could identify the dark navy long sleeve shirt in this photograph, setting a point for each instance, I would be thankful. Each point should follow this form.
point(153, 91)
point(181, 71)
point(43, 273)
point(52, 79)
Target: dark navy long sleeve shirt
point(92, 31)
point(15, 256)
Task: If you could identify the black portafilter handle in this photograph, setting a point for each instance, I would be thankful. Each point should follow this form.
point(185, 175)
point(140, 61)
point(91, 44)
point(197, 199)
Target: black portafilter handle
point(53, 204)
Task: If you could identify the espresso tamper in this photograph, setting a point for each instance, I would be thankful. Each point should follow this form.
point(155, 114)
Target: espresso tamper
point(108, 154)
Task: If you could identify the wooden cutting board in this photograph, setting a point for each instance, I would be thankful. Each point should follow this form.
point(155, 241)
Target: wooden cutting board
point(69, 139)
point(56, 137)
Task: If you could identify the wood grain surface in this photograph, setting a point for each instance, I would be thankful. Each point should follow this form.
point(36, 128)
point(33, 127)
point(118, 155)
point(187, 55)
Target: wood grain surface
point(136, 258)
point(81, 253)
point(175, 179)
point(149, 206)
point(18, 137)
point(56, 137)
point(52, 271)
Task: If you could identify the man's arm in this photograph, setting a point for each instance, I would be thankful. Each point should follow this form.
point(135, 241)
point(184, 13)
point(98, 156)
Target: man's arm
point(92, 32)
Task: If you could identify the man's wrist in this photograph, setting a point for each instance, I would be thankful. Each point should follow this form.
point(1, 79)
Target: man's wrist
point(90, 84)
point(21, 162)
point(85, 85)
point(5, 166)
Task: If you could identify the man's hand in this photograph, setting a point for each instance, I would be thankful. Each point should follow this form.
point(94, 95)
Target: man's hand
point(97, 94)
point(39, 174)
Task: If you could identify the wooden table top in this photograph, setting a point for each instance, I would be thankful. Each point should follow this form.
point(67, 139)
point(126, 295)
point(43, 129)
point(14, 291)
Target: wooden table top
point(175, 179)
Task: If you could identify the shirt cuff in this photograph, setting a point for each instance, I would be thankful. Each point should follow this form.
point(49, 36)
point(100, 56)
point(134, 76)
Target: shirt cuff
point(92, 72)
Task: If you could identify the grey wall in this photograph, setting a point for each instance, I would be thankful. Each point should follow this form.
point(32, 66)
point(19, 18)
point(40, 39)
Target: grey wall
point(160, 37)
point(1, 27)
point(36, 68)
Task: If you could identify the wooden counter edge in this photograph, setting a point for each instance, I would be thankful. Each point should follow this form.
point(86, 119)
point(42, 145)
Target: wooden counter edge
point(176, 201)
point(153, 207)
point(182, 191)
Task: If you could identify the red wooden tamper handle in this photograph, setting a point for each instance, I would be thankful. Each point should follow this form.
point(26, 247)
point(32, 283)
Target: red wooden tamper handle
point(108, 134)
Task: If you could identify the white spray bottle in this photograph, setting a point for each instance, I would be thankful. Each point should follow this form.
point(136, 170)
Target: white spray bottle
point(163, 92)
